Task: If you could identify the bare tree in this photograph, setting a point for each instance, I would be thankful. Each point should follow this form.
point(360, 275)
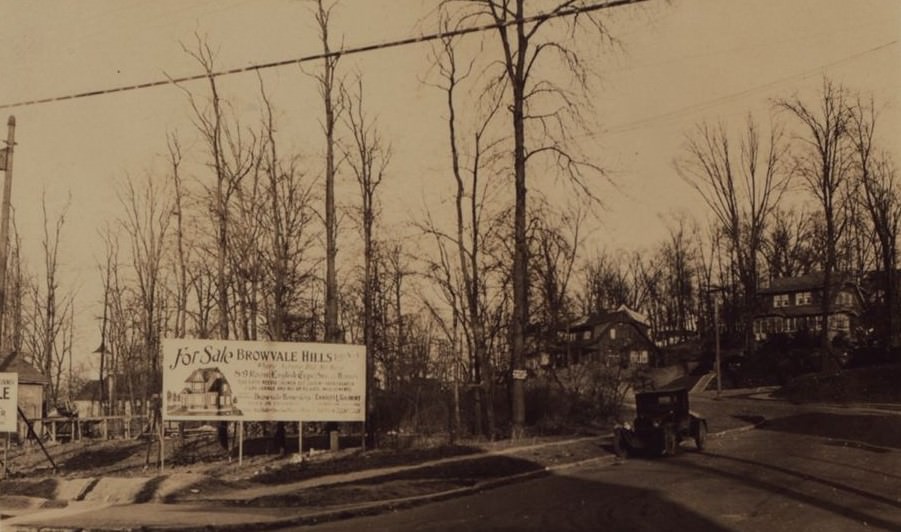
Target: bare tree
point(610, 280)
point(181, 253)
point(122, 347)
point(556, 240)
point(788, 245)
point(878, 180)
point(368, 157)
point(148, 214)
point(331, 92)
point(50, 309)
point(287, 216)
point(742, 188)
point(825, 165)
point(542, 114)
point(278, 233)
point(469, 205)
point(232, 158)
point(677, 260)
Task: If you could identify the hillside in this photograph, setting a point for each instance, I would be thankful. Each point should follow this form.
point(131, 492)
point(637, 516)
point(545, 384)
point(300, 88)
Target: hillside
point(877, 384)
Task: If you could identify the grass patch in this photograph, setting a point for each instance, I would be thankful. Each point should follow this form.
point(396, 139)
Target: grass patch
point(357, 461)
point(45, 488)
point(415, 482)
point(877, 384)
point(106, 456)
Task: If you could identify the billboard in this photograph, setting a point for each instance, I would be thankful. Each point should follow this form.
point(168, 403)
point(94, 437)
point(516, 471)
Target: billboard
point(263, 381)
point(9, 400)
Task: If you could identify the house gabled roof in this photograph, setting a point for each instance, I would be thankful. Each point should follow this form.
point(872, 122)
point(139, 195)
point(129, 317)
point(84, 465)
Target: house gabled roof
point(91, 389)
point(208, 376)
point(28, 374)
point(804, 283)
point(603, 322)
point(623, 314)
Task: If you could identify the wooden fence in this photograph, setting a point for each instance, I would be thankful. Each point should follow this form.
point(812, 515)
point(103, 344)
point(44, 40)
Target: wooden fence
point(61, 428)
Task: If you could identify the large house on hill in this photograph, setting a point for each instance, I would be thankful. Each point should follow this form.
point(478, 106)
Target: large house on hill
point(794, 305)
point(615, 338)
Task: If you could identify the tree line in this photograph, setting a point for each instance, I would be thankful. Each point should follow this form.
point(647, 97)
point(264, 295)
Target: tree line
point(239, 237)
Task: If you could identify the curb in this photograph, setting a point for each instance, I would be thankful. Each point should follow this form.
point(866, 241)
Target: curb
point(379, 507)
point(736, 430)
point(702, 383)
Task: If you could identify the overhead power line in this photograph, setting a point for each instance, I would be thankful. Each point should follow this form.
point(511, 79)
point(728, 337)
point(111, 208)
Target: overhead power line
point(562, 12)
point(639, 124)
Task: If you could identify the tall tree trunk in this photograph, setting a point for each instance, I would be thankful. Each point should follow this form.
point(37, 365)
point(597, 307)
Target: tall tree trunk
point(521, 249)
point(327, 88)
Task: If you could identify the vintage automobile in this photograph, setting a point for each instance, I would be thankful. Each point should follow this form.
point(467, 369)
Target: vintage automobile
point(662, 421)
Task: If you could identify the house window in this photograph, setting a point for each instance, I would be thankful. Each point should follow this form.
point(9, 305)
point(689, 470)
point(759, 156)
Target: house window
point(586, 335)
point(803, 298)
point(843, 298)
point(839, 322)
point(780, 300)
point(613, 333)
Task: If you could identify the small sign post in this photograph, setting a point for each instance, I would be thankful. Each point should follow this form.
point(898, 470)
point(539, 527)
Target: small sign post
point(520, 374)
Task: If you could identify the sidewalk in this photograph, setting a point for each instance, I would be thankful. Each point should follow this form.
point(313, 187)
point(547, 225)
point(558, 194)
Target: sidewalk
point(765, 393)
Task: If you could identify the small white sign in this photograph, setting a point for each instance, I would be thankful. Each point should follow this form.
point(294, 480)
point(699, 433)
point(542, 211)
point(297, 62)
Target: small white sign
point(263, 381)
point(520, 374)
point(9, 400)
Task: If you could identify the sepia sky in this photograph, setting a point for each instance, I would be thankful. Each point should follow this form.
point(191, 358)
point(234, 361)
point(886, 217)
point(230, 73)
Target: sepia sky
point(677, 63)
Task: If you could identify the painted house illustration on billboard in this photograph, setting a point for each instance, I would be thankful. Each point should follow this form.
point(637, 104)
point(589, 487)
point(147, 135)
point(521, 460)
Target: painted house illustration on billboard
point(206, 392)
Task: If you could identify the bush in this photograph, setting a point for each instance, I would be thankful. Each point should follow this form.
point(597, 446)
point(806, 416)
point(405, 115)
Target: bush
point(583, 395)
point(872, 356)
point(422, 407)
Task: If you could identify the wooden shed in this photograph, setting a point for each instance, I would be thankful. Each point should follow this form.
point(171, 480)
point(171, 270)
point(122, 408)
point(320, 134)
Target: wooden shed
point(31, 390)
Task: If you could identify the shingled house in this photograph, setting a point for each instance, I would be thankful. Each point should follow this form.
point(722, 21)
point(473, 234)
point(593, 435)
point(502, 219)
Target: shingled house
point(794, 305)
point(31, 390)
point(206, 392)
point(615, 338)
point(93, 397)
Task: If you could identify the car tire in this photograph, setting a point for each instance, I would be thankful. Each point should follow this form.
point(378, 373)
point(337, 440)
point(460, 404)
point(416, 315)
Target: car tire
point(670, 442)
point(620, 447)
point(701, 435)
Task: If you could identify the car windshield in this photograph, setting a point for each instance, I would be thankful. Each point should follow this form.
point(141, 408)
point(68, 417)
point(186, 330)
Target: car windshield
point(653, 403)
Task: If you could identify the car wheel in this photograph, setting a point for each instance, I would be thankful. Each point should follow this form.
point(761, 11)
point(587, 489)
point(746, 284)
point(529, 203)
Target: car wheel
point(620, 448)
point(701, 435)
point(670, 442)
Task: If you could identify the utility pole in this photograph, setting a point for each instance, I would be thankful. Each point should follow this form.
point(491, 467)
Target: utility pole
point(716, 333)
point(714, 292)
point(6, 163)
